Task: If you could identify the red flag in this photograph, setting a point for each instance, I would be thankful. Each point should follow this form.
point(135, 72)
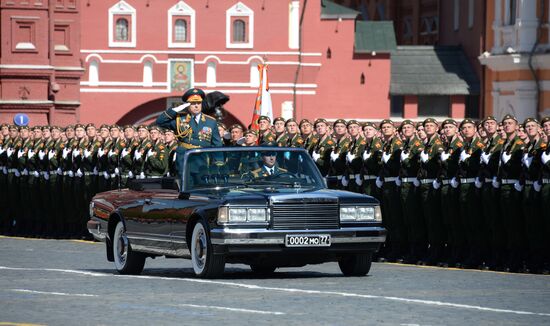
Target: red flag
point(262, 106)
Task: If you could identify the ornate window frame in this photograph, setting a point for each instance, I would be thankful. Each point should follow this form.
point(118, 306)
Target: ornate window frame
point(181, 10)
point(122, 10)
point(239, 10)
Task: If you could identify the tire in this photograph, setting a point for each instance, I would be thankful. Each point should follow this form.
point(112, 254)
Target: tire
point(262, 269)
point(356, 265)
point(126, 260)
point(205, 263)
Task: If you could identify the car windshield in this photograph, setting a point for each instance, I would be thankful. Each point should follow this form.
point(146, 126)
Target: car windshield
point(253, 169)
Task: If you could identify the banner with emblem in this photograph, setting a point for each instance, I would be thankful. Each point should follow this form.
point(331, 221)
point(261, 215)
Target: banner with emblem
point(263, 105)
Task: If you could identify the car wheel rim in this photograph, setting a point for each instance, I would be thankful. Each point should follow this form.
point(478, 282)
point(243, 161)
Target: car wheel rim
point(121, 247)
point(200, 248)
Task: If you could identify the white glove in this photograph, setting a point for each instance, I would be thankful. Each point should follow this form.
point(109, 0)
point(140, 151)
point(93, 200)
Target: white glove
point(181, 107)
point(379, 183)
point(350, 157)
point(100, 152)
point(366, 155)
point(142, 175)
point(436, 184)
point(59, 171)
point(454, 183)
point(36, 174)
point(117, 171)
point(518, 186)
point(87, 153)
point(334, 156)
point(485, 157)
point(404, 155)
point(17, 174)
point(106, 175)
point(398, 182)
point(10, 151)
point(464, 156)
point(150, 153)
point(424, 157)
point(386, 157)
point(4, 170)
point(95, 172)
point(71, 173)
point(41, 154)
point(25, 172)
point(315, 156)
point(130, 174)
point(478, 183)
point(30, 154)
point(444, 156)
point(345, 181)
point(527, 160)
point(65, 152)
point(495, 183)
point(416, 182)
point(545, 157)
point(79, 173)
point(76, 152)
point(46, 176)
point(111, 153)
point(137, 155)
point(537, 186)
point(20, 153)
point(124, 152)
point(51, 154)
point(358, 179)
point(505, 157)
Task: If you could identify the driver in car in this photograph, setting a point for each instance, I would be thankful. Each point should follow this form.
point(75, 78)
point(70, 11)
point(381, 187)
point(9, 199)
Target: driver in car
point(269, 167)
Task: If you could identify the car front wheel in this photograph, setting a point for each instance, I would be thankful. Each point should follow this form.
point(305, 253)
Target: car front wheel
point(355, 265)
point(127, 261)
point(205, 263)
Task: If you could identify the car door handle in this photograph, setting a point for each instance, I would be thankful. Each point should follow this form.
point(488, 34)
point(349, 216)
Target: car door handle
point(148, 201)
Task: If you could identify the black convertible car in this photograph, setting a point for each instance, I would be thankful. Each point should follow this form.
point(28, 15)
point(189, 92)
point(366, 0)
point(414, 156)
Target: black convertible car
point(265, 207)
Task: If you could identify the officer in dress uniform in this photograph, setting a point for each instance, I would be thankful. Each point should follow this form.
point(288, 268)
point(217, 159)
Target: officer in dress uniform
point(193, 128)
point(127, 155)
point(371, 158)
point(268, 168)
point(510, 193)
point(12, 165)
point(56, 181)
point(388, 182)
point(429, 196)
point(171, 145)
point(4, 144)
point(410, 200)
point(104, 178)
point(320, 152)
point(279, 128)
point(354, 160)
point(338, 155)
point(530, 176)
point(48, 220)
point(156, 158)
point(113, 156)
point(24, 220)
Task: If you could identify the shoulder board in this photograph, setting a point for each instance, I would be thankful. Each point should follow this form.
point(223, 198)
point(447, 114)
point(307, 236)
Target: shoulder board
point(270, 138)
point(480, 145)
point(398, 142)
point(543, 145)
point(377, 145)
point(299, 140)
point(459, 144)
point(123, 144)
point(161, 147)
point(148, 145)
point(438, 142)
point(363, 142)
point(501, 141)
point(62, 145)
point(330, 142)
point(520, 142)
point(417, 143)
point(209, 117)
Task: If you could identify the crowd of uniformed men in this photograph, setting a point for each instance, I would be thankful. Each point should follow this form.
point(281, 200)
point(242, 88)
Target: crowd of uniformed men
point(462, 194)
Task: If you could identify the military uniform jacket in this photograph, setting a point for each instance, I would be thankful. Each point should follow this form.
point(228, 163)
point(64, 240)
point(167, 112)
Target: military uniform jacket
point(54, 155)
point(263, 172)
point(511, 168)
point(103, 153)
point(171, 169)
point(356, 148)
point(310, 141)
point(391, 147)
point(5, 144)
point(449, 158)
point(493, 146)
point(531, 160)
point(471, 151)
point(89, 156)
point(189, 133)
point(45, 162)
point(15, 146)
point(267, 139)
point(113, 156)
point(22, 155)
point(323, 147)
point(288, 140)
point(127, 155)
point(410, 165)
point(156, 159)
point(143, 148)
point(33, 163)
point(67, 161)
point(82, 144)
point(372, 152)
point(432, 150)
point(341, 147)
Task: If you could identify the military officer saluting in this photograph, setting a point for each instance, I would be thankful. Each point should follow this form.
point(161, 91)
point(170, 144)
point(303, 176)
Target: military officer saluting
point(193, 128)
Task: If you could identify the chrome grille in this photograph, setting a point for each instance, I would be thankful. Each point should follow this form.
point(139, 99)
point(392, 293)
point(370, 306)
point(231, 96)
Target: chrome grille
point(307, 216)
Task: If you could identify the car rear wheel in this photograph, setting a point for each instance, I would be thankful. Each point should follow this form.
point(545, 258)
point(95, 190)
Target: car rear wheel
point(205, 263)
point(126, 260)
point(262, 269)
point(355, 265)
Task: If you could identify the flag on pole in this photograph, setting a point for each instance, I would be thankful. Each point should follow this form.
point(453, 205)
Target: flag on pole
point(263, 99)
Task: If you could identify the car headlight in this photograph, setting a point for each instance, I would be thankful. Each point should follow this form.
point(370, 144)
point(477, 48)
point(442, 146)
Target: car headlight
point(360, 214)
point(242, 215)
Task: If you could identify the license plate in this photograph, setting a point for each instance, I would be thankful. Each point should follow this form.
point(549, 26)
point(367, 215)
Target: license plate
point(308, 240)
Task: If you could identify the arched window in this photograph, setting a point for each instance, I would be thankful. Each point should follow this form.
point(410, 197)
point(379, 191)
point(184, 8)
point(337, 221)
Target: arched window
point(93, 76)
point(211, 74)
point(121, 30)
point(180, 33)
point(148, 74)
point(239, 31)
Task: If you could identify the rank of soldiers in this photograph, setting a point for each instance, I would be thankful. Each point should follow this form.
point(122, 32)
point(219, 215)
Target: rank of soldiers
point(468, 194)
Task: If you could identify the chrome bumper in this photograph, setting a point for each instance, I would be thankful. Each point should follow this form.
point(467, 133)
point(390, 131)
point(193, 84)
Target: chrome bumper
point(95, 229)
point(230, 236)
